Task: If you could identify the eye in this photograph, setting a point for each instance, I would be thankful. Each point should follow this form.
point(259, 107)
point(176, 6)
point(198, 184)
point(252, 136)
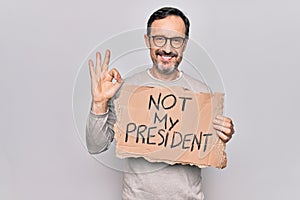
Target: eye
point(159, 39)
point(177, 40)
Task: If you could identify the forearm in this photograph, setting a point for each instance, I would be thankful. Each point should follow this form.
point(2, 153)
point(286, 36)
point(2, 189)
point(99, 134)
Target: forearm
point(99, 132)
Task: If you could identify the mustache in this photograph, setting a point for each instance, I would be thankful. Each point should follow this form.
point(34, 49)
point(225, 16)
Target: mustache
point(163, 53)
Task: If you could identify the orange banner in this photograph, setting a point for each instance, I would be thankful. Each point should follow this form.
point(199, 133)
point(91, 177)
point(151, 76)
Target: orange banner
point(172, 125)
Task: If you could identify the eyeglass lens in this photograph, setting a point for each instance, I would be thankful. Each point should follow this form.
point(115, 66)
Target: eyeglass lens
point(161, 41)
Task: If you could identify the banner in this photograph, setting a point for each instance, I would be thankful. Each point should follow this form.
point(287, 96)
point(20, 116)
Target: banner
point(171, 125)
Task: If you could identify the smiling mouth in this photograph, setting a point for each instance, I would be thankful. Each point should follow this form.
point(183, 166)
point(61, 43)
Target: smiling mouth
point(166, 56)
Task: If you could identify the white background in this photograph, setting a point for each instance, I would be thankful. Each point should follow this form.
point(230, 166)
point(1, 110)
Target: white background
point(255, 45)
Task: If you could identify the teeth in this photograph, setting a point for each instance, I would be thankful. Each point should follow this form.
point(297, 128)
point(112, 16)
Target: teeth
point(166, 57)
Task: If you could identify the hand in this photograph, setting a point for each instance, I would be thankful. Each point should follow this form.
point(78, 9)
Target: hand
point(103, 88)
point(224, 127)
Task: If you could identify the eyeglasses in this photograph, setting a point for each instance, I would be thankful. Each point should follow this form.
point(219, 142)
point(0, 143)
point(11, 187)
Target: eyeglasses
point(160, 41)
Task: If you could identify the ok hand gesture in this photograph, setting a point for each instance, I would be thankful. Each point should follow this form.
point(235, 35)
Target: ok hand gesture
point(103, 87)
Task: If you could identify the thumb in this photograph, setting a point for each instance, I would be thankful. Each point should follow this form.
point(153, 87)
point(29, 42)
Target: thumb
point(117, 85)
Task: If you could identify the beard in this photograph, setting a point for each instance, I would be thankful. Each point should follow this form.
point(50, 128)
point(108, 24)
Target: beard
point(166, 71)
point(161, 65)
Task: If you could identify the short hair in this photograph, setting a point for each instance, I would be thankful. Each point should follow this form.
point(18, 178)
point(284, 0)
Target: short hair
point(165, 12)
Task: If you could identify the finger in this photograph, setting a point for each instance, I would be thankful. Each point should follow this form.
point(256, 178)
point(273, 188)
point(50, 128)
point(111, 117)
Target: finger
point(224, 118)
point(115, 74)
point(98, 63)
point(117, 86)
point(225, 130)
point(223, 137)
point(222, 123)
point(92, 71)
point(106, 60)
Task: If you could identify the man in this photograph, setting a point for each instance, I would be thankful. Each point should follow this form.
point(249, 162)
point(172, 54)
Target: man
point(166, 38)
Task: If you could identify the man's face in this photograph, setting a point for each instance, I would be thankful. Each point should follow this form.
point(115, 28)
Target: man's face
point(166, 58)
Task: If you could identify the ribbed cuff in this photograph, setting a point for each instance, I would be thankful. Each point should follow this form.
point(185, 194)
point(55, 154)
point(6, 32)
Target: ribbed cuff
point(98, 115)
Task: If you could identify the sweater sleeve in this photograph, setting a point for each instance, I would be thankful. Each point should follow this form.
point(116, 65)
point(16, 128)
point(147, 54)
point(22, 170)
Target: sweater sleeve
point(99, 130)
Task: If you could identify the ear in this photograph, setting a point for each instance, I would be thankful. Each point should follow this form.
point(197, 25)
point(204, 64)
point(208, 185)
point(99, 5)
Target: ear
point(185, 44)
point(147, 41)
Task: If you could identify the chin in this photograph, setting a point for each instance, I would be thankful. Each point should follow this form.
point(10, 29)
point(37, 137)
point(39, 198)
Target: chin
point(166, 70)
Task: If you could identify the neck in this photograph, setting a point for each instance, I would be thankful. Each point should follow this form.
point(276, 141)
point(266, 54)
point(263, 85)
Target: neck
point(164, 77)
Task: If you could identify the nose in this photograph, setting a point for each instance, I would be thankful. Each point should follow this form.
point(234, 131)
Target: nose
point(167, 48)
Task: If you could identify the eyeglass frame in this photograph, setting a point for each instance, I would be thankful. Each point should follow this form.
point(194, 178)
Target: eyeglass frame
point(166, 40)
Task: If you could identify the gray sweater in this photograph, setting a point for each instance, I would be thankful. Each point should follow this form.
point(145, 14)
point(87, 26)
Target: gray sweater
point(142, 179)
